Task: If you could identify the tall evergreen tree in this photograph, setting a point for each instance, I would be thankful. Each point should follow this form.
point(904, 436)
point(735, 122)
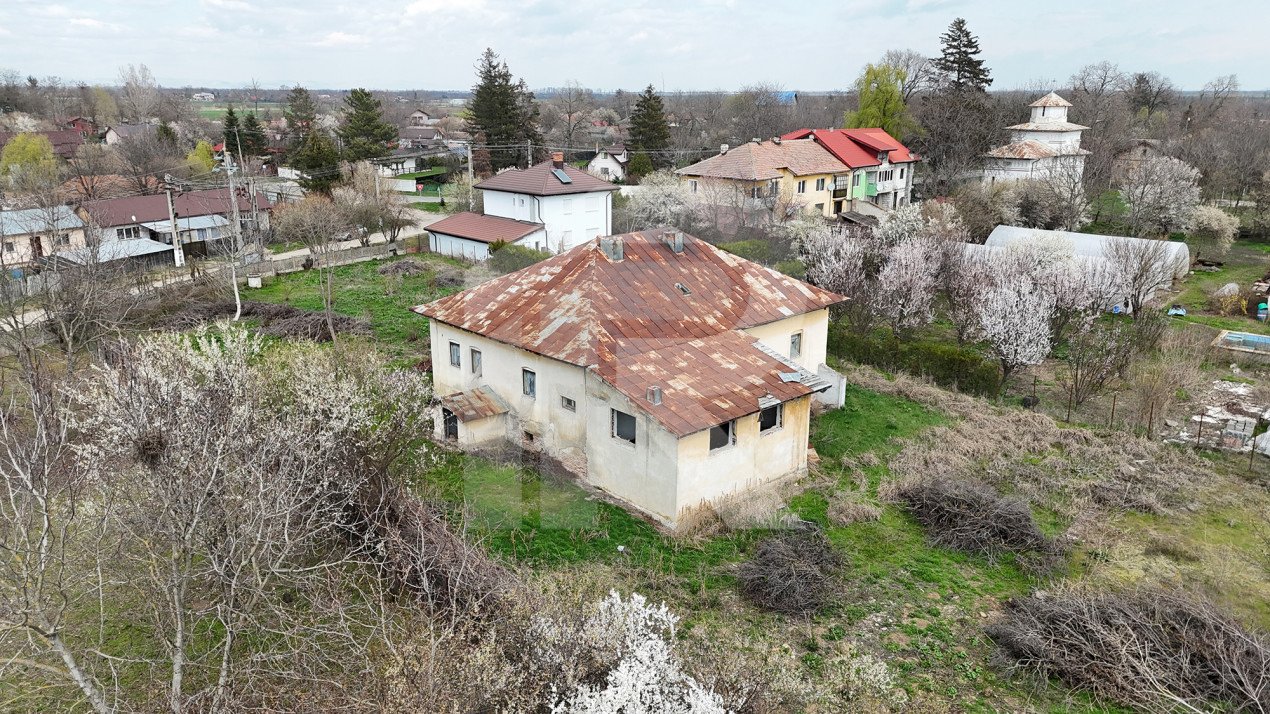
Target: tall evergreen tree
point(503, 111)
point(363, 131)
point(318, 159)
point(959, 62)
point(300, 113)
point(251, 137)
point(650, 133)
point(229, 133)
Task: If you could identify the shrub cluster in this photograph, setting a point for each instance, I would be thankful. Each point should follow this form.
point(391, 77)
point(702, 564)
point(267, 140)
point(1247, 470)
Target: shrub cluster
point(948, 365)
point(1151, 648)
point(275, 319)
point(971, 516)
point(790, 573)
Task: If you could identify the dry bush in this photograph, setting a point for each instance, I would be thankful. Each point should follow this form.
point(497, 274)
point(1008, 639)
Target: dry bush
point(1155, 649)
point(449, 278)
point(972, 516)
point(792, 573)
point(276, 319)
point(846, 508)
point(406, 268)
point(313, 326)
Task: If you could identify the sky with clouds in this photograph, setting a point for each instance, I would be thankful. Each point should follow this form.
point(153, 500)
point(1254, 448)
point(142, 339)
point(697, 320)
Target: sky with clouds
point(607, 44)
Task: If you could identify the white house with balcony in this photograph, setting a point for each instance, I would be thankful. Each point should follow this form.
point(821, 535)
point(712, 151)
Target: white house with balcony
point(1044, 146)
point(656, 367)
point(572, 205)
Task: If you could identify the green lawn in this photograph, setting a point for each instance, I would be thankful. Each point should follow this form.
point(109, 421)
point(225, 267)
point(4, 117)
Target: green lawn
point(431, 207)
point(426, 173)
point(360, 291)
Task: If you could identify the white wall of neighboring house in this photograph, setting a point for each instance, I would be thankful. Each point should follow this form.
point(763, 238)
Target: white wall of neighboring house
point(1059, 140)
point(19, 249)
point(606, 167)
point(457, 247)
point(570, 220)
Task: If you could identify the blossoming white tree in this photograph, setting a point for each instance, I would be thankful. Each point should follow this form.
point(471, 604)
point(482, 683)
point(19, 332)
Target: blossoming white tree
point(1161, 194)
point(906, 284)
point(1014, 319)
point(648, 678)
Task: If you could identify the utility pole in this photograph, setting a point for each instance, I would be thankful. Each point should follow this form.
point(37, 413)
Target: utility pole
point(470, 177)
point(178, 254)
point(236, 236)
point(529, 153)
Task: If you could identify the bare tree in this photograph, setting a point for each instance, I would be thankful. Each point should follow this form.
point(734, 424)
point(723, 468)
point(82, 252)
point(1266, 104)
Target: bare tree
point(919, 73)
point(567, 113)
point(319, 224)
point(1145, 266)
point(1064, 186)
point(369, 207)
point(139, 96)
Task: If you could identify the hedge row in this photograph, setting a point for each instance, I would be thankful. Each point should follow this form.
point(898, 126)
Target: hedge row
point(948, 365)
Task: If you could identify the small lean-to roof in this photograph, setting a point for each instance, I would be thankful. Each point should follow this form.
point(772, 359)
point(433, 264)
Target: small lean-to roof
point(766, 160)
point(627, 319)
point(1051, 100)
point(540, 180)
point(109, 250)
point(484, 229)
point(473, 405)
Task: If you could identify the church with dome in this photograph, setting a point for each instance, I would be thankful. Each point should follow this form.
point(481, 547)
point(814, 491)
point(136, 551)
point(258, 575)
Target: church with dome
point(1044, 146)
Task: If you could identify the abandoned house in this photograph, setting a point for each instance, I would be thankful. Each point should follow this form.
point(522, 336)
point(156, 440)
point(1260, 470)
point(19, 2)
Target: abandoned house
point(659, 368)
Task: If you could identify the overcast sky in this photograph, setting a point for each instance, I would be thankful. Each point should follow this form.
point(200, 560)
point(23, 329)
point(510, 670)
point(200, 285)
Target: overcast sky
point(606, 44)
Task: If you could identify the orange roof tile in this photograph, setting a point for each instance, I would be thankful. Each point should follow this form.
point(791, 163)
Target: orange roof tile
point(763, 161)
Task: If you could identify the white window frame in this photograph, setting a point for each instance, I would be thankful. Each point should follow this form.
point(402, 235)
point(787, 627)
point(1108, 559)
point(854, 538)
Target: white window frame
point(802, 186)
point(477, 361)
point(820, 184)
point(796, 345)
point(456, 355)
point(613, 414)
point(692, 185)
point(568, 206)
point(529, 382)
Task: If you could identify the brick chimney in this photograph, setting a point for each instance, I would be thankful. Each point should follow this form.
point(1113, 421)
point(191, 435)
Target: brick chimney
point(557, 159)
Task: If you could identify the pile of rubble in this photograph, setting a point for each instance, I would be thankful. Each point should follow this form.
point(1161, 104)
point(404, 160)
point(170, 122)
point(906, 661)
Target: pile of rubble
point(1228, 419)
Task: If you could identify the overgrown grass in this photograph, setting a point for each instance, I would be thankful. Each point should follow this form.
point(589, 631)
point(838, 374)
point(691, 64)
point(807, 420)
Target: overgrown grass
point(360, 291)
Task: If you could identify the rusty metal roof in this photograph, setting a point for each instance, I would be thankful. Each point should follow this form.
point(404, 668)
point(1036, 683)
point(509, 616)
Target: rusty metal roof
point(475, 404)
point(623, 318)
point(703, 381)
point(1026, 149)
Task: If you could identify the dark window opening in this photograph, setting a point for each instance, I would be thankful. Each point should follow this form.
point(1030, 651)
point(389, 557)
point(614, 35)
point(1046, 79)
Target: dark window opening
point(476, 362)
point(771, 418)
point(529, 383)
point(722, 435)
point(623, 426)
